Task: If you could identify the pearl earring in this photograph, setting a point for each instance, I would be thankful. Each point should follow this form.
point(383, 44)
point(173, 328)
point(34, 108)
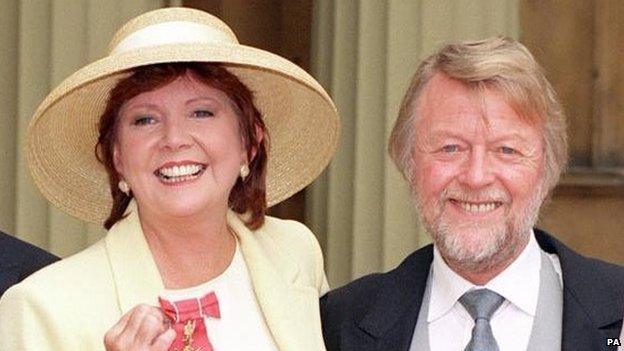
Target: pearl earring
point(124, 187)
point(244, 171)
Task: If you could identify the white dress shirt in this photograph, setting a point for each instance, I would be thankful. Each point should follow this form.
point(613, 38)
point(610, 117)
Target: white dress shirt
point(450, 325)
point(242, 325)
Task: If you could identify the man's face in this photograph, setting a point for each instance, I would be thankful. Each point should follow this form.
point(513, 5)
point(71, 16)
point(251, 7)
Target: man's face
point(477, 173)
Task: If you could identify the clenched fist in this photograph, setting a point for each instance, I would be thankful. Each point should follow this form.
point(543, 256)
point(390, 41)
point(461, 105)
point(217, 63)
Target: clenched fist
point(143, 328)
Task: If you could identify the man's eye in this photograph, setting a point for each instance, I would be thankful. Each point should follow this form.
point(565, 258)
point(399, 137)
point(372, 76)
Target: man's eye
point(507, 150)
point(450, 148)
point(144, 120)
point(202, 113)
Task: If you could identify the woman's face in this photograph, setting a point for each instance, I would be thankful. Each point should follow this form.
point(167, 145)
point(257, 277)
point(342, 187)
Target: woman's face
point(179, 148)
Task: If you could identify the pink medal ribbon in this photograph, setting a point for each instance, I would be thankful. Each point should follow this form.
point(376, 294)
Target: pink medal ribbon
point(187, 318)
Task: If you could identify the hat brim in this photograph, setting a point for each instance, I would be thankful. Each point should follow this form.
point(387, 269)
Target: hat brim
point(301, 119)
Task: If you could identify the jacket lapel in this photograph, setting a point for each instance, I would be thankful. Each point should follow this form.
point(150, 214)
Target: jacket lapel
point(286, 305)
point(389, 324)
point(592, 300)
point(134, 271)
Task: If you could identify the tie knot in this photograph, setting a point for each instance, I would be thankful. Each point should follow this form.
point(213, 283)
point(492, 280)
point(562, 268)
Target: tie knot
point(481, 303)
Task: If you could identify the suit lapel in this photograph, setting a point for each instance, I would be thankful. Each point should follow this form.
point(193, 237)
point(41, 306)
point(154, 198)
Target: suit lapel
point(286, 305)
point(592, 302)
point(575, 326)
point(389, 324)
point(136, 276)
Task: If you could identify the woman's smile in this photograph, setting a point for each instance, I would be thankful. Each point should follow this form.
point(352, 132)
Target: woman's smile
point(180, 173)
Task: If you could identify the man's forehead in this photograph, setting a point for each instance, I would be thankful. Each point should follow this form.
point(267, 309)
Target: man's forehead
point(445, 100)
point(439, 89)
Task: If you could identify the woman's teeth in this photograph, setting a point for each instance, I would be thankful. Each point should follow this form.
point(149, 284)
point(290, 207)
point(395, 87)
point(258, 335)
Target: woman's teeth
point(177, 174)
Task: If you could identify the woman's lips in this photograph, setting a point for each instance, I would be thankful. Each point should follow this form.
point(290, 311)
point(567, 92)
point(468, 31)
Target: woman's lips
point(176, 173)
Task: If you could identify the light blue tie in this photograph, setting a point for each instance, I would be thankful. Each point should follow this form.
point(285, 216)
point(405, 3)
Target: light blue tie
point(481, 304)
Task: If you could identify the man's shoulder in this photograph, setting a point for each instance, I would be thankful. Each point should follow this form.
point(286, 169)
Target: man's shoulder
point(15, 249)
point(593, 295)
point(574, 263)
point(591, 281)
point(358, 295)
point(355, 295)
point(378, 300)
point(20, 259)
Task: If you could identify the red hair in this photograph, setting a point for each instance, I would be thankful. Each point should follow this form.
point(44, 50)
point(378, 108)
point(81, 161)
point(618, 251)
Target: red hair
point(248, 196)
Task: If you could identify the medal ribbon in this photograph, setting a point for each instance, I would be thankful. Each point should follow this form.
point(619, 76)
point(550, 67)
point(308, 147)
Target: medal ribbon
point(187, 318)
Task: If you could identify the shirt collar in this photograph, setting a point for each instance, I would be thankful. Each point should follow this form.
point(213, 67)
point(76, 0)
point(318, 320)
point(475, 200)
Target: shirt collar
point(518, 283)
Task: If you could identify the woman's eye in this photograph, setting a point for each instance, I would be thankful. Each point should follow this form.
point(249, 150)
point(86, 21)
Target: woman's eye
point(202, 113)
point(144, 120)
point(450, 148)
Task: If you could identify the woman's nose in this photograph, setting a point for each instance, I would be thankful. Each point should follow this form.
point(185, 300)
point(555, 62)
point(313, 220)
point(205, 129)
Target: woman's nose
point(175, 135)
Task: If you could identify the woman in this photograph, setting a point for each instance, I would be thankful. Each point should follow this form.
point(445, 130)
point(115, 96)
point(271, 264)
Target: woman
point(190, 260)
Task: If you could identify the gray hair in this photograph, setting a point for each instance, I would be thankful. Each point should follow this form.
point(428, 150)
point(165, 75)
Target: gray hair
point(500, 63)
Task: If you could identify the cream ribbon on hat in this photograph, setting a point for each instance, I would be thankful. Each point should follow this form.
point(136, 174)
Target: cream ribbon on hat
point(173, 32)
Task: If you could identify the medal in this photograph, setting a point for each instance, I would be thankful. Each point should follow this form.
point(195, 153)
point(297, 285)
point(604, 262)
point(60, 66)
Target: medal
point(187, 318)
point(189, 329)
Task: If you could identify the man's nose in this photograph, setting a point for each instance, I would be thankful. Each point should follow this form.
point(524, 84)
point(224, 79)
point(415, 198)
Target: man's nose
point(477, 171)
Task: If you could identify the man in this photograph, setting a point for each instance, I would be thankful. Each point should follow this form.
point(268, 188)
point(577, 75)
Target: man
point(18, 260)
point(481, 140)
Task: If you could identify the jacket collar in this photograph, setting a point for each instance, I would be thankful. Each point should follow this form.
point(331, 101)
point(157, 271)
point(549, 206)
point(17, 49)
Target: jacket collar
point(274, 277)
point(135, 273)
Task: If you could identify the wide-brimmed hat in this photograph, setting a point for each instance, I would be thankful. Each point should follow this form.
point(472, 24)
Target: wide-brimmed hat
point(301, 118)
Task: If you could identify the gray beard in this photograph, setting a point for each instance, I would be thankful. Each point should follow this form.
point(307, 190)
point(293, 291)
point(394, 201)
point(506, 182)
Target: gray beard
point(464, 246)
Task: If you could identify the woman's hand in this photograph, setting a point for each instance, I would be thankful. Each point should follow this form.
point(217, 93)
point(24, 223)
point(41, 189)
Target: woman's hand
point(143, 328)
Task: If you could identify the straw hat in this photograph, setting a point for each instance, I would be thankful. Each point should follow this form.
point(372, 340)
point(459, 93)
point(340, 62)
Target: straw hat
point(300, 116)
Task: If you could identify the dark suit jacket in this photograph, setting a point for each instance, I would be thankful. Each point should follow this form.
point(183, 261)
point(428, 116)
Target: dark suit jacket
point(379, 311)
point(19, 259)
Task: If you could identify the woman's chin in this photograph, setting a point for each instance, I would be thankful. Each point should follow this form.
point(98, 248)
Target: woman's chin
point(183, 207)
